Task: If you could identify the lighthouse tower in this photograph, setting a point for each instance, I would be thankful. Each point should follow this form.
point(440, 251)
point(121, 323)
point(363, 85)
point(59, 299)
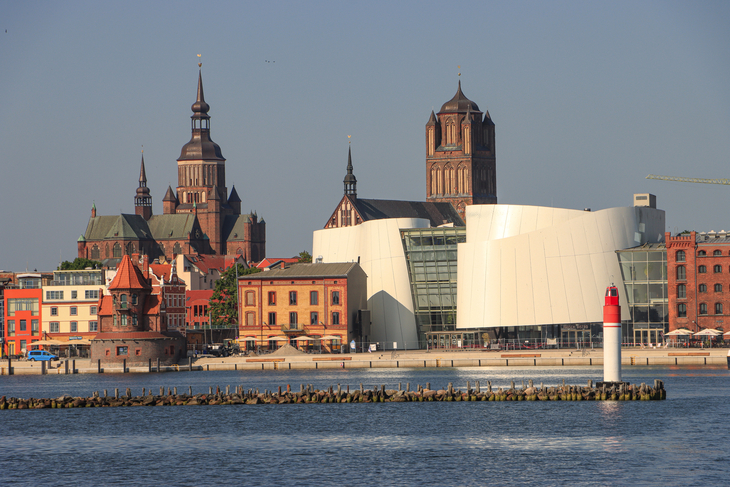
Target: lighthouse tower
point(611, 336)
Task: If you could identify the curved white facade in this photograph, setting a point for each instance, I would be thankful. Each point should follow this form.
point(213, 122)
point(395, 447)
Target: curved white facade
point(530, 265)
point(377, 245)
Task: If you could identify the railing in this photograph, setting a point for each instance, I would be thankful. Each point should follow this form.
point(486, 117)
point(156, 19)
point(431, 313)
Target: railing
point(292, 327)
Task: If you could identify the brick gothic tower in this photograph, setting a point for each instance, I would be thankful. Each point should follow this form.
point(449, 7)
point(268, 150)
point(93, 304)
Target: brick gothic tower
point(143, 200)
point(201, 175)
point(460, 155)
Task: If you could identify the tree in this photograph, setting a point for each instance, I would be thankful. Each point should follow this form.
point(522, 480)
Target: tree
point(224, 301)
point(305, 257)
point(79, 263)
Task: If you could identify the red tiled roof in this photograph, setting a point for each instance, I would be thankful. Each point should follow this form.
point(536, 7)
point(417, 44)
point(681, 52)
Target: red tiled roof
point(106, 306)
point(207, 262)
point(128, 276)
point(152, 305)
point(270, 260)
point(161, 270)
point(199, 294)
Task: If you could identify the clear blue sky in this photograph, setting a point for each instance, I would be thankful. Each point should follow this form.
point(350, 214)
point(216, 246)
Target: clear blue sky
point(588, 98)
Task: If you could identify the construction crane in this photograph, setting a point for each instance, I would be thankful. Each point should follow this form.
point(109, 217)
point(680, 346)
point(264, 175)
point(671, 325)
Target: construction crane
point(689, 180)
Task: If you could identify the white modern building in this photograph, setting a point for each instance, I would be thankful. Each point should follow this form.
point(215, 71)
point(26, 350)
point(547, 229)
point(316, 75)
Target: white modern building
point(520, 266)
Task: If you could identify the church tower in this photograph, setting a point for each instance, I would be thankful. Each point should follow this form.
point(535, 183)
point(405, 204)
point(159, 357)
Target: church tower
point(143, 200)
point(460, 156)
point(202, 175)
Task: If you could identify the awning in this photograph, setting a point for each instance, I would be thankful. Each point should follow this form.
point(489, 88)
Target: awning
point(679, 332)
point(48, 343)
point(708, 332)
point(305, 339)
point(331, 337)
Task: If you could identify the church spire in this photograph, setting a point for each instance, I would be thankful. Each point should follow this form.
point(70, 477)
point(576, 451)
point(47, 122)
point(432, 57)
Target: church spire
point(350, 180)
point(143, 200)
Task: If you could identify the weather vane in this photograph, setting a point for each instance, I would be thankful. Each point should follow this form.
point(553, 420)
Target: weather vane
point(200, 64)
point(348, 139)
point(457, 67)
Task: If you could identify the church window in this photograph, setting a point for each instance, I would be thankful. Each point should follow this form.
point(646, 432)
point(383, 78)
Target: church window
point(440, 182)
point(434, 180)
point(117, 251)
point(95, 252)
point(177, 249)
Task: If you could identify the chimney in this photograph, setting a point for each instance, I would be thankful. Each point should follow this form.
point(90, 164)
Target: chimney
point(283, 265)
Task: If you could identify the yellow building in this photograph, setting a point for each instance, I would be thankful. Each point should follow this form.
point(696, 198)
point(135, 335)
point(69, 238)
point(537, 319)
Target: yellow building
point(305, 305)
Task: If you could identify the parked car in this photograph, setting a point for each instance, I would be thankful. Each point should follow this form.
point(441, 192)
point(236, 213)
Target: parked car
point(34, 355)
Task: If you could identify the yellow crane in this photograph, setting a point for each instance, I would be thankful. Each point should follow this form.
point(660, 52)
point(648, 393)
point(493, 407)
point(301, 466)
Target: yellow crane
point(689, 180)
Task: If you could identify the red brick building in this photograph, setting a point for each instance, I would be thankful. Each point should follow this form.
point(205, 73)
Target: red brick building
point(133, 319)
point(199, 217)
point(698, 279)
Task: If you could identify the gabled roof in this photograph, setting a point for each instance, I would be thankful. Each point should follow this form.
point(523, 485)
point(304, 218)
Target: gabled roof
point(208, 262)
point(128, 276)
point(269, 261)
point(233, 226)
point(437, 213)
point(117, 227)
point(176, 226)
point(162, 271)
point(205, 294)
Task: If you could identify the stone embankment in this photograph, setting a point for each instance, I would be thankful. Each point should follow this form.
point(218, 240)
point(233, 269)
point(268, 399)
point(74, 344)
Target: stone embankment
point(309, 395)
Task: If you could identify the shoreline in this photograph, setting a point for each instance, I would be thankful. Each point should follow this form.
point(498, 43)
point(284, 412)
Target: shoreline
point(395, 359)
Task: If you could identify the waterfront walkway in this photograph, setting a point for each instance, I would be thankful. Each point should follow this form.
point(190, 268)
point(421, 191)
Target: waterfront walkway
point(397, 359)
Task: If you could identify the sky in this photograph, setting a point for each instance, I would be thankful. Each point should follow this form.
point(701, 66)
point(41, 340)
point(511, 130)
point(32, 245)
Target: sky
point(588, 98)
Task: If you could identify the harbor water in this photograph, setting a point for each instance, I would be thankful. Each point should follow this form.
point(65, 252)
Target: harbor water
point(681, 441)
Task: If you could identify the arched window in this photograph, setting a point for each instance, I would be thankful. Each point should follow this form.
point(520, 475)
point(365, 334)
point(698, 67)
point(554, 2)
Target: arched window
point(701, 269)
point(681, 291)
point(703, 288)
point(680, 256)
point(177, 250)
point(117, 251)
point(123, 301)
point(434, 180)
point(718, 288)
point(681, 310)
point(701, 253)
point(703, 308)
point(717, 269)
point(717, 252)
point(718, 308)
point(681, 273)
point(95, 254)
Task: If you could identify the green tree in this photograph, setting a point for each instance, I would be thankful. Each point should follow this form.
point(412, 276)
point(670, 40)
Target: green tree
point(224, 301)
point(78, 264)
point(305, 257)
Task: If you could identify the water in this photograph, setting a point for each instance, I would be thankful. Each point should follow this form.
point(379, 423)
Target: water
point(681, 441)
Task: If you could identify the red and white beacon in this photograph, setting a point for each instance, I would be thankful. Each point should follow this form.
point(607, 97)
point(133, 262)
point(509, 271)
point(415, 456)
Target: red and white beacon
point(611, 336)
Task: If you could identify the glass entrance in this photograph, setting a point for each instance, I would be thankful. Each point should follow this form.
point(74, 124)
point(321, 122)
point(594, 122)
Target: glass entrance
point(647, 337)
point(576, 338)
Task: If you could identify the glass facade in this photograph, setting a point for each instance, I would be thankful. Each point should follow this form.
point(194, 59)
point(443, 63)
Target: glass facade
point(431, 257)
point(644, 272)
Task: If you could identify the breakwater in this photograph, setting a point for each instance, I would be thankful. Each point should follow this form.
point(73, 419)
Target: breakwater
point(309, 395)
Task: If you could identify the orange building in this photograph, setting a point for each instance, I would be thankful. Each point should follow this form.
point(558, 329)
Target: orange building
point(23, 304)
point(305, 305)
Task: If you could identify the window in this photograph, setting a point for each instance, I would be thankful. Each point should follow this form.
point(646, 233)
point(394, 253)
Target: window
point(74, 326)
point(336, 318)
point(92, 310)
point(134, 320)
point(701, 269)
point(335, 297)
point(718, 308)
point(74, 294)
point(122, 350)
point(74, 311)
point(34, 327)
point(54, 294)
point(313, 298)
point(91, 294)
point(313, 318)
point(124, 320)
point(138, 351)
point(681, 310)
point(250, 298)
point(22, 304)
point(54, 311)
point(701, 253)
point(680, 256)
point(718, 288)
point(272, 298)
point(272, 319)
point(703, 308)
point(123, 301)
point(93, 326)
point(54, 326)
point(11, 328)
point(134, 299)
point(250, 319)
point(703, 288)
point(717, 269)
point(117, 252)
point(717, 252)
point(23, 325)
point(681, 291)
point(292, 298)
point(293, 318)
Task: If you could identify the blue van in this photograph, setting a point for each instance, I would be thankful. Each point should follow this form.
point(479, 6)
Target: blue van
point(34, 355)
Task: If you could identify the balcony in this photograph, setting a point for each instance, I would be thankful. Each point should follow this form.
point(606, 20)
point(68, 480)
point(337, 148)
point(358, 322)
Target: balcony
point(293, 328)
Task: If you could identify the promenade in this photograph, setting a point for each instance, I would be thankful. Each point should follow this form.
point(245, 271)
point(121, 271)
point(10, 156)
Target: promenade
point(295, 360)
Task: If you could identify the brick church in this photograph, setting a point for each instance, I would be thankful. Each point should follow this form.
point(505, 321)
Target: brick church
point(460, 171)
point(199, 217)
